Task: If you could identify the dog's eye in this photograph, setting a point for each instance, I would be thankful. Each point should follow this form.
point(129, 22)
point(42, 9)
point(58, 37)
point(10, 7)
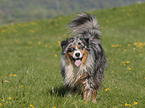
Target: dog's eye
point(71, 49)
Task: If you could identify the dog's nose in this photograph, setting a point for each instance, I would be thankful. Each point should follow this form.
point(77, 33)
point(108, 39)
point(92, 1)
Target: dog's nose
point(77, 54)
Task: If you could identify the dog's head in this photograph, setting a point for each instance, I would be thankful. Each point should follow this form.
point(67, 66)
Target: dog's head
point(75, 50)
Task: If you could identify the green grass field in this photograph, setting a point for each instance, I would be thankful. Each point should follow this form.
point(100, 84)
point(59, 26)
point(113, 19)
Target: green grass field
point(30, 62)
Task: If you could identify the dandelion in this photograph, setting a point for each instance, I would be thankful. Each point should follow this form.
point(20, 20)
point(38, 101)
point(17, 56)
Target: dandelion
point(9, 98)
point(129, 68)
point(140, 44)
point(128, 62)
point(126, 104)
point(141, 47)
point(128, 44)
point(113, 45)
point(123, 62)
point(107, 89)
point(135, 43)
point(135, 103)
point(58, 42)
point(124, 50)
point(117, 45)
point(54, 107)
point(10, 74)
point(85, 102)
point(112, 71)
point(5, 81)
point(55, 55)
point(14, 75)
point(32, 106)
point(21, 85)
point(45, 45)
point(39, 43)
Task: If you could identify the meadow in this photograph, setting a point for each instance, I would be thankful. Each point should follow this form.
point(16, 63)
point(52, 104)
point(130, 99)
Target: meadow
point(30, 55)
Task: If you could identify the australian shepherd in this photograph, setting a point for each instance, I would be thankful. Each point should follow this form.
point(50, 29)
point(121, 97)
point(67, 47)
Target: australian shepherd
point(83, 60)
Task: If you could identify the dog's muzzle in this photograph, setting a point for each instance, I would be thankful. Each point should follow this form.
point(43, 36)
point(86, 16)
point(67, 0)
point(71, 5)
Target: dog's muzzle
point(78, 58)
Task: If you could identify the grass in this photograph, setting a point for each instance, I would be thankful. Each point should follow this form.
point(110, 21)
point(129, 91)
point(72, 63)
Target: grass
point(30, 62)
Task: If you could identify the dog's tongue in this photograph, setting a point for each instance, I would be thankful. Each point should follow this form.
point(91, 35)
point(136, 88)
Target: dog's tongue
point(78, 62)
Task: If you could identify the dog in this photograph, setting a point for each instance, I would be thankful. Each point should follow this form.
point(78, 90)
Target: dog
point(83, 60)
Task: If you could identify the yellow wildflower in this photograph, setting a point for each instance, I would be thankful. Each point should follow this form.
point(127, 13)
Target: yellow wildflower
point(128, 44)
point(107, 89)
point(117, 45)
point(45, 45)
point(140, 47)
point(127, 104)
point(6, 102)
point(129, 68)
point(85, 102)
point(113, 45)
point(135, 103)
point(140, 44)
point(55, 55)
point(14, 75)
point(9, 98)
point(135, 43)
point(39, 43)
point(128, 62)
point(21, 85)
point(5, 81)
point(0, 104)
point(58, 42)
point(10, 74)
point(32, 106)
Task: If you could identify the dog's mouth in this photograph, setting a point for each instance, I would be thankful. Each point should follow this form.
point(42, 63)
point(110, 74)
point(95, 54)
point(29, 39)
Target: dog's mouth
point(78, 61)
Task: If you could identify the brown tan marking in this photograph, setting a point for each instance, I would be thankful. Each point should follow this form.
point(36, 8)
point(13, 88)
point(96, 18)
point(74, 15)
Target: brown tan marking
point(67, 58)
point(85, 53)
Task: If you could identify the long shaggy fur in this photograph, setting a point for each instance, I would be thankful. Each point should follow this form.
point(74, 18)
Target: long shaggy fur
point(90, 74)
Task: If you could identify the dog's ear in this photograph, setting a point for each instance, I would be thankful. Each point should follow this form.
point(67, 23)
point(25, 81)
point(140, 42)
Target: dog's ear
point(63, 43)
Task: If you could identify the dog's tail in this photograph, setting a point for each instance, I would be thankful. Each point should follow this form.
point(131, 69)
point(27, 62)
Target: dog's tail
point(85, 23)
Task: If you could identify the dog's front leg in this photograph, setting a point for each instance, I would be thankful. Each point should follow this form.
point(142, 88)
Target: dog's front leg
point(87, 90)
point(89, 94)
